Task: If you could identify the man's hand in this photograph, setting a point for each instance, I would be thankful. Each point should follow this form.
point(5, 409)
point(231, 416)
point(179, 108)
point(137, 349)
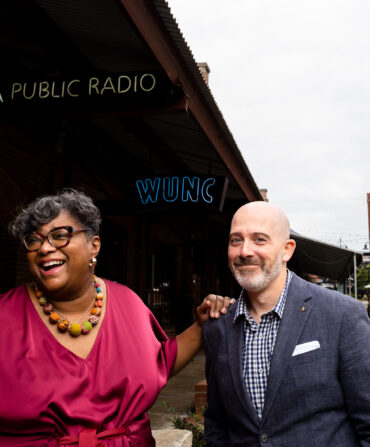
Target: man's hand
point(212, 307)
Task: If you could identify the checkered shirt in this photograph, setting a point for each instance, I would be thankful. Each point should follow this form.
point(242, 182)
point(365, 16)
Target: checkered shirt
point(259, 341)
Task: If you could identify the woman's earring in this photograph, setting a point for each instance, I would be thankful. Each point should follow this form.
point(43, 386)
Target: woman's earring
point(93, 262)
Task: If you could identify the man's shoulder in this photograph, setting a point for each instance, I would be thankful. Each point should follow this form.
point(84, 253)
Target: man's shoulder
point(215, 327)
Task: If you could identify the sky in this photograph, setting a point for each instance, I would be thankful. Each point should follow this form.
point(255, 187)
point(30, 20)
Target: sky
point(292, 80)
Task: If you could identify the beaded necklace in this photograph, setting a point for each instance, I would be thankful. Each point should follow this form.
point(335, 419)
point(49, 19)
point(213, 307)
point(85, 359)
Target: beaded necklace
point(64, 325)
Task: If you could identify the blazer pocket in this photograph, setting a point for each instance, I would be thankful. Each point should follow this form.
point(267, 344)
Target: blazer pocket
point(306, 347)
point(307, 357)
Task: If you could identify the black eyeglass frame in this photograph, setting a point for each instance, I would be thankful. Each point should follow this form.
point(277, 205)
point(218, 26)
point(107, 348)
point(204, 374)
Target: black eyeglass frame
point(43, 237)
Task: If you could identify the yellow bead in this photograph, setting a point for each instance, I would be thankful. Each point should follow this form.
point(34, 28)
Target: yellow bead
point(75, 329)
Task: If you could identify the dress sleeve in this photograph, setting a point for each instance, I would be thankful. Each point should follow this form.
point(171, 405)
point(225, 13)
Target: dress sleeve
point(168, 353)
point(149, 344)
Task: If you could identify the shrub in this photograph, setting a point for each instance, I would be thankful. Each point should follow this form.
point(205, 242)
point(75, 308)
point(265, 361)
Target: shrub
point(192, 422)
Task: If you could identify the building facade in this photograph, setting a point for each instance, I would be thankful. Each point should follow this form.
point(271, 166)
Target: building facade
point(106, 97)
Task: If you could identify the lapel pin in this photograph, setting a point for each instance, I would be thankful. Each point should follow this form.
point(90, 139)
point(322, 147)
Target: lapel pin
point(303, 309)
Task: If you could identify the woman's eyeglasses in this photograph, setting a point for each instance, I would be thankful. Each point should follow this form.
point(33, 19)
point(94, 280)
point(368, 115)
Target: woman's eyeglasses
point(58, 237)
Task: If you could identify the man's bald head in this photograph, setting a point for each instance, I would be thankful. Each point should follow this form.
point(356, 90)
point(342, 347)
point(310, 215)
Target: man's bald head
point(264, 212)
point(259, 247)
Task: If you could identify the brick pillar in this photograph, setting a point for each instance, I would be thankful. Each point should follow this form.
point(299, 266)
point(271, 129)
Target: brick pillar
point(264, 194)
point(200, 397)
point(204, 70)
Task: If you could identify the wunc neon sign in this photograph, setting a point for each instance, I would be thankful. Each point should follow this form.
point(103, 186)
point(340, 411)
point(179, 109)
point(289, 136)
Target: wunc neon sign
point(196, 190)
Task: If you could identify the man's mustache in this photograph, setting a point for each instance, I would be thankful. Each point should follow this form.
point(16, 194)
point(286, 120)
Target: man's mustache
point(239, 262)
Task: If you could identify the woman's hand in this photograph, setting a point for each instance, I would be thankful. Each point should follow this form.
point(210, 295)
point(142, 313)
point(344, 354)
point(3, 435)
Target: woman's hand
point(212, 307)
point(189, 342)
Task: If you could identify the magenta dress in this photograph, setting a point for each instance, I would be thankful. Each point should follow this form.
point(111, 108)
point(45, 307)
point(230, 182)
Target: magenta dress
point(50, 396)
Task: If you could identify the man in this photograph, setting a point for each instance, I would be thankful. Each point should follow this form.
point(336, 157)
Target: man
point(289, 365)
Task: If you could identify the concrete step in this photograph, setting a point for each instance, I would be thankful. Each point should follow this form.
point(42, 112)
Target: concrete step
point(173, 438)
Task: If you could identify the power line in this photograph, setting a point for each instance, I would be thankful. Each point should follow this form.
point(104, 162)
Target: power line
point(321, 199)
point(334, 233)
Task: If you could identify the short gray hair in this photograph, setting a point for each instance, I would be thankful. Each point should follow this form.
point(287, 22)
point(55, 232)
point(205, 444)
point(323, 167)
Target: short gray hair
point(46, 208)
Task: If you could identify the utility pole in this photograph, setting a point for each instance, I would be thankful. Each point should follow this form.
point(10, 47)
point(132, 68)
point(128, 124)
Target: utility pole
point(368, 215)
point(355, 274)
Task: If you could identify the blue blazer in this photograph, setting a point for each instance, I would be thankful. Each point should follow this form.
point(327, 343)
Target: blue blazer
point(318, 397)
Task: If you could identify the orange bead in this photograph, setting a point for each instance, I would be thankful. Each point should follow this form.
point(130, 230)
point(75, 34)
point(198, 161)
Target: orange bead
point(38, 293)
point(63, 325)
point(99, 296)
point(96, 311)
point(53, 317)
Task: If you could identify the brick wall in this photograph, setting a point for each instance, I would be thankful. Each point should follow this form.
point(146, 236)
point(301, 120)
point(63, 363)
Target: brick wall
point(200, 396)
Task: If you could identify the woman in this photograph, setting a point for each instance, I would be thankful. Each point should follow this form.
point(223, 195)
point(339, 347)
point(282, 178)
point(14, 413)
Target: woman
point(82, 358)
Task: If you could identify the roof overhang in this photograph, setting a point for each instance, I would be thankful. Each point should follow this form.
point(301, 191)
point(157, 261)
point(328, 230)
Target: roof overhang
point(171, 50)
point(322, 259)
point(118, 36)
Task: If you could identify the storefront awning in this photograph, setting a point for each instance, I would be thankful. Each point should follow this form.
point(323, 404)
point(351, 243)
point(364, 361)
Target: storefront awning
point(322, 259)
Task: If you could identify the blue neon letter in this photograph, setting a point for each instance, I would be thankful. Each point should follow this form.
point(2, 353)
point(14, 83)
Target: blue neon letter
point(206, 185)
point(170, 188)
point(190, 189)
point(149, 190)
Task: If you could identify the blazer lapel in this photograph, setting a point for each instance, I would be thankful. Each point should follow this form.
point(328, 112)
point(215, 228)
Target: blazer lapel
point(235, 343)
point(296, 312)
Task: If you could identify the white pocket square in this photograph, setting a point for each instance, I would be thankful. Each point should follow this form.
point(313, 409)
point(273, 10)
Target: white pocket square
point(306, 347)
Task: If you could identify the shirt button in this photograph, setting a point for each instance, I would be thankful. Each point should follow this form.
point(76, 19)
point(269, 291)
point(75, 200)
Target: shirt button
point(260, 371)
point(261, 336)
point(264, 437)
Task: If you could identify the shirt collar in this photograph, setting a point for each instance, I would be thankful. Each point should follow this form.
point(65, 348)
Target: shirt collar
point(242, 303)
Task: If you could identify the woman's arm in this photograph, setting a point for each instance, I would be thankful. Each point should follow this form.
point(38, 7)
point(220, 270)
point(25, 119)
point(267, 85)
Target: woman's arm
point(189, 342)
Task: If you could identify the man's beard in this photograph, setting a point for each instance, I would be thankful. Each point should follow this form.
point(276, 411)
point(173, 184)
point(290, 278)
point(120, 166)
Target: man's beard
point(255, 281)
